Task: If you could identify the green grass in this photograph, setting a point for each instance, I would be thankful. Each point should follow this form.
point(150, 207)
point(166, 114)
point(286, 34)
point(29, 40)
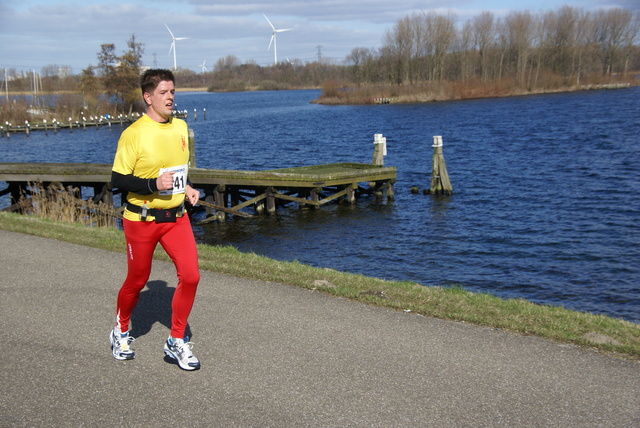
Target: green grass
point(452, 303)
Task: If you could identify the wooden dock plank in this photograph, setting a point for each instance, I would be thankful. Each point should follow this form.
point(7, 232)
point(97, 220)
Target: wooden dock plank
point(306, 176)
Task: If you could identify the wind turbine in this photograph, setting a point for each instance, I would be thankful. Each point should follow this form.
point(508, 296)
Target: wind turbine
point(173, 47)
point(203, 66)
point(273, 39)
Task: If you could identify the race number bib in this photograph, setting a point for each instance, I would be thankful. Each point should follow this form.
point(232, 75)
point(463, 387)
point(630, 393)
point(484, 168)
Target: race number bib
point(179, 179)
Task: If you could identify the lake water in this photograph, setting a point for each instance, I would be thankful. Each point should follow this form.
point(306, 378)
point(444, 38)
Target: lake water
point(546, 201)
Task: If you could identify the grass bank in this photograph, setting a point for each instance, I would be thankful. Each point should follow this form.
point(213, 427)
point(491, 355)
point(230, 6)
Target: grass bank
point(597, 332)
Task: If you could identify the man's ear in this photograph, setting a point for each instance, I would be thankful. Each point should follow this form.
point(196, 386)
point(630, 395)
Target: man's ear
point(147, 98)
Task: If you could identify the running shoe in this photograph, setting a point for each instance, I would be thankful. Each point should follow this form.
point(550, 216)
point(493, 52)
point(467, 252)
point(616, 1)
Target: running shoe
point(120, 345)
point(180, 350)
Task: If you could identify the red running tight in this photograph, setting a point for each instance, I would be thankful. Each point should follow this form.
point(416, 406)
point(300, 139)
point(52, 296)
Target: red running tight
point(178, 241)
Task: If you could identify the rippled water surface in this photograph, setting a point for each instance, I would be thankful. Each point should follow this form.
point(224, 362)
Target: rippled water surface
point(545, 203)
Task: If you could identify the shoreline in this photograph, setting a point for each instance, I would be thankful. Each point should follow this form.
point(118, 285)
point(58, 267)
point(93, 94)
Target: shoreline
point(432, 97)
point(413, 98)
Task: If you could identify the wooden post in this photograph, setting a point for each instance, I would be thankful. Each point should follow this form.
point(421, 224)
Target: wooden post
point(192, 149)
point(259, 205)
point(379, 149)
point(209, 210)
point(204, 113)
point(390, 192)
point(440, 184)
point(271, 200)
point(315, 195)
point(219, 195)
point(379, 152)
point(351, 193)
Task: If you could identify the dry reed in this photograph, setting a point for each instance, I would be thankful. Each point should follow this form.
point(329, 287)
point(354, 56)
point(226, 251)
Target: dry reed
point(59, 203)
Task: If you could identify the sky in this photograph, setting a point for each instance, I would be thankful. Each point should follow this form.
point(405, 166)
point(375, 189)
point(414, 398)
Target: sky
point(38, 33)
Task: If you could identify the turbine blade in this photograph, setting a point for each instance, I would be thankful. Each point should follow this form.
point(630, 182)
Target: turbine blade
point(271, 41)
point(280, 31)
point(265, 17)
point(169, 31)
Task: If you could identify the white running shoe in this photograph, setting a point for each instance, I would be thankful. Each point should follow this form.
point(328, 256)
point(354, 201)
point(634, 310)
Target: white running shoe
point(180, 350)
point(120, 345)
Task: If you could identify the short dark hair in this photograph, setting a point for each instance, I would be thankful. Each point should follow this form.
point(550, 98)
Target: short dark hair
point(152, 78)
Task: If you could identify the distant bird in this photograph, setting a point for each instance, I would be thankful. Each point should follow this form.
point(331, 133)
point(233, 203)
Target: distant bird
point(273, 39)
point(173, 47)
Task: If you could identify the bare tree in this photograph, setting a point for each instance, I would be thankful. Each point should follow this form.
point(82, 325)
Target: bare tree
point(519, 34)
point(399, 44)
point(444, 36)
point(612, 28)
point(359, 61)
point(466, 52)
point(630, 37)
point(484, 32)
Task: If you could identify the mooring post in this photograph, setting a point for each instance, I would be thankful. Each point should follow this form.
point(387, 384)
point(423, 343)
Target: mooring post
point(379, 149)
point(379, 152)
point(195, 115)
point(351, 193)
point(204, 113)
point(440, 184)
point(192, 149)
point(220, 200)
point(271, 200)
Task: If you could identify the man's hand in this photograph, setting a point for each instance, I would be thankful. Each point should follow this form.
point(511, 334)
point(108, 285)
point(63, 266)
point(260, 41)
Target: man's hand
point(193, 195)
point(165, 181)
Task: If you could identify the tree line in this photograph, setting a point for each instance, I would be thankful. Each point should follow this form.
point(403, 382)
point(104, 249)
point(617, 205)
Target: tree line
point(522, 51)
point(560, 46)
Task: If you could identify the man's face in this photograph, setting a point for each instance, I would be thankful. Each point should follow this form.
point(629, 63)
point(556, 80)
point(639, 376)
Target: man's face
point(160, 102)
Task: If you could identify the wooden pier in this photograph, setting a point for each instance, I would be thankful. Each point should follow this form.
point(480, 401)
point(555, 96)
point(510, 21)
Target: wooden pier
point(7, 129)
point(225, 191)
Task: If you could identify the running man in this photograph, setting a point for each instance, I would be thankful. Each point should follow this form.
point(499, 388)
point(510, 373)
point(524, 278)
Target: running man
point(151, 167)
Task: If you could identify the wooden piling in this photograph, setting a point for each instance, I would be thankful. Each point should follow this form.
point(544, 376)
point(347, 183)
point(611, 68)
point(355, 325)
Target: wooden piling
point(379, 149)
point(440, 184)
point(192, 149)
point(219, 200)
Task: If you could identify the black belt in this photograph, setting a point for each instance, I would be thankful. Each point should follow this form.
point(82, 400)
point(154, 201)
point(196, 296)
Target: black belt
point(159, 214)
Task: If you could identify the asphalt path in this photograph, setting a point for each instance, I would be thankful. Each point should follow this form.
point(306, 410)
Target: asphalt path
point(275, 356)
